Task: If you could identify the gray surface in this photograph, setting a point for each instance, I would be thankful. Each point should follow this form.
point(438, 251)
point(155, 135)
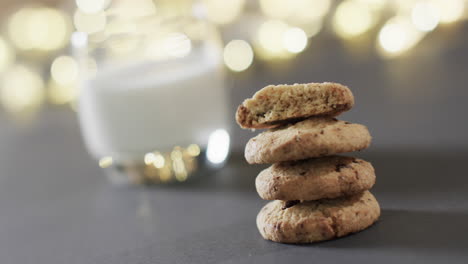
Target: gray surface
point(56, 207)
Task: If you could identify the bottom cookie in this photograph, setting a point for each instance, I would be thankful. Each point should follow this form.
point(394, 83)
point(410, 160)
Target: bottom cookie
point(313, 221)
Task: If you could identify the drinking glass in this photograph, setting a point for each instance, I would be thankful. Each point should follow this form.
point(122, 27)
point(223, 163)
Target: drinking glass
point(152, 105)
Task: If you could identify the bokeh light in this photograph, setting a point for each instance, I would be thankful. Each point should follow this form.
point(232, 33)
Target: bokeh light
point(402, 6)
point(91, 6)
point(61, 94)
point(218, 146)
point(449, 10)
point(425, 16)
point(223, 11)
point(158, 160)
point(39, 28)
point(7, 54)
point(312, 28)
point(376, 5)
point(155, 159)
point(397, 36)
point(89, 23)
point(238, 55)
point(270, 36)
point(294, 40)
point(353, 18)
point(297, 11)
point(64, 70)
point(193, 150)
point(276, 8)
point(178, 164)
point(105, 162)
point(122, 46)
point(131, 9)
point(22, 89)
point(177, 45)
point(307, 11)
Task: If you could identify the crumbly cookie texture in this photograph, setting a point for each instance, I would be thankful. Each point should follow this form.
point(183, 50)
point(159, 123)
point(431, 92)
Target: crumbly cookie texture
point(312, 221)
point(313, 179)
point(279, 104)
point(313, 137)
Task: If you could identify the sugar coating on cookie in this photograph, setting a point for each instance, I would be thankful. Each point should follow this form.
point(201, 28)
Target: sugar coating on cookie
point(313, 179)
point(312, 221)
point(278, 104)
point(313, 137)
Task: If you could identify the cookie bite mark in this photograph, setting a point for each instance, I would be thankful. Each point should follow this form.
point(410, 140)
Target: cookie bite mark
point(279, 104)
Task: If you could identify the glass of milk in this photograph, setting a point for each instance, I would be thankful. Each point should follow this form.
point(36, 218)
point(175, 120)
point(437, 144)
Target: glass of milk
point(152, 104)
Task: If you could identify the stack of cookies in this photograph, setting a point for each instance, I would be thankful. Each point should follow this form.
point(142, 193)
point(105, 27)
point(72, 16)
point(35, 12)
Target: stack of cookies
point(316, 194)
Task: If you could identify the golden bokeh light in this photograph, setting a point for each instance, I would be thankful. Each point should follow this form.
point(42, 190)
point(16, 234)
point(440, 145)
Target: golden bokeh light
point(7, 54)
point(312, 28)
point(149, 158)
point(276, 8)
point(402, 6)
point(165, 174)
point(39, 28)
point(177, 45)
point(353, 18)
point(270, 36)
point(306, 11)
point(238, 55)
point(159, 161)
point(397, 36)
point(178, 164)
point(120, 27)
point(105, 162)
point(89, 23)
point(294, 40)
point(425, 16)
point(91, 6)
point(193, 150)
point(155, 159)
point(64, 70)
point(297, 11)
point(22, 89)
point(131, 9)
point(223, 11)
point(375, 4)
point(61, 94)
point(449, 10)
point(122, 46)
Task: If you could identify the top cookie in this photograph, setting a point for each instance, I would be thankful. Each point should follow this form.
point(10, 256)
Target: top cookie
point(278, 104)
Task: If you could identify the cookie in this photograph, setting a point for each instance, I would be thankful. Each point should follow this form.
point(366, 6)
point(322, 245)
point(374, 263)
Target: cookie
point(278, 104)
point(312, 221)
point(313, 179)
point(313, 137)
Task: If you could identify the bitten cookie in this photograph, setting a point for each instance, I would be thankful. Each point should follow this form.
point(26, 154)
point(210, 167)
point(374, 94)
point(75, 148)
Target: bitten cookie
point(278, 104)
point(313, 179)
point(314, 137)
point(312, 221)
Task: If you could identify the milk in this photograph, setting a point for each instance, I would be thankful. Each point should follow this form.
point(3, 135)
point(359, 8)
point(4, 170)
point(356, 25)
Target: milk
point(129, 109)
